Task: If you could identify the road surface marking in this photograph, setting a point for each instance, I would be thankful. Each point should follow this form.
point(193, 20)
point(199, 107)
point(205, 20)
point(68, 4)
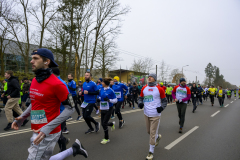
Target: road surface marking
point(181, 138)
point(215, 113)
point(226, 105)
point(231, 102)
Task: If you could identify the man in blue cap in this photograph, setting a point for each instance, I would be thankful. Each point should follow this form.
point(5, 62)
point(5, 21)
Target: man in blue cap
point(47, 93)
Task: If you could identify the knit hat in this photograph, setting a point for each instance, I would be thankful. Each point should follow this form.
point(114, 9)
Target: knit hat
point(6, 80)
point(182, 79)
point(101, 79)
point(161, 83)
point(153, 75)
point(117, 78)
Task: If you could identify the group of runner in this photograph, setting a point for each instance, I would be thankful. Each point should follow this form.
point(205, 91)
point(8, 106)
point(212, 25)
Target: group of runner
point(53, 101)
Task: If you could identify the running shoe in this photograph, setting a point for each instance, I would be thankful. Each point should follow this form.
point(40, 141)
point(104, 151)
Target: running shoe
point(89, 131)
point(180, 130)
point(8, 127)
point(97, 126)
point(121, 123)
point(79, 149)
point(158, 139)
point(65, 131)
point(112, 117)
point(69, 118)
point(105, 141)
point(79, 118)
point(97, 111)
point(149, 156)
point(113, 127)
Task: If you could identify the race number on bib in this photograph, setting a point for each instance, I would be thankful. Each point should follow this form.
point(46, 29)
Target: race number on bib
point(212, 93)
point(104, 105)
point(148, 98)
point(38, 117)
point(118, 94)
point(194, 95)
point(84, 104)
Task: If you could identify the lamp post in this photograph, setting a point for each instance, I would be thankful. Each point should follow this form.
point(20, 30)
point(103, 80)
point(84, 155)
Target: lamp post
point(182, 68)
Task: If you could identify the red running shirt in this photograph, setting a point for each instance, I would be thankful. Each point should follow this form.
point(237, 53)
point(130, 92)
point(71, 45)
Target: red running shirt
point(46, 97)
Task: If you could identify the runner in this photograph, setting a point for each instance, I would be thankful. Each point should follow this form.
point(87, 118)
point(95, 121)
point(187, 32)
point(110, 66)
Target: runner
point(169, 93)
point(134, 94)
point(90, 91)
point(25, 90)
point(13, 92)
point(72, 88)
point(194, 95)
point(47, 92)
point(200, 90)
point(106, 99)
point(205, 93)
point(235, 92)
point(118, 89)
point(99, 86)
point(153, 99)
point(161, 85)
point(181, 94)
point(220, 95)
point(228, 94)
point(212, 94)
point(239, 93)
point(111, 84)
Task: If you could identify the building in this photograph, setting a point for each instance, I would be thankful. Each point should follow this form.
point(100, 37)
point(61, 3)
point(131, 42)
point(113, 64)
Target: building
point(129, 76)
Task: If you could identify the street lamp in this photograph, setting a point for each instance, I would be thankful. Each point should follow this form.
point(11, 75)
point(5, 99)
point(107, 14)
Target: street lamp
point(182, 69)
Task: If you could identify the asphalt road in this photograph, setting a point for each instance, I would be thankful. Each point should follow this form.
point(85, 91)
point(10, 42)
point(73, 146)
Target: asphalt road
point(211, 133)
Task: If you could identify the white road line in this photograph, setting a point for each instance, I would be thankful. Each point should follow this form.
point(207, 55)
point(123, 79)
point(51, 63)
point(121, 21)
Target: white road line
point(226, 105)
point(235, 99)
point(181, 138)
point(215, 113)
point(69, 122)
point(231, 102)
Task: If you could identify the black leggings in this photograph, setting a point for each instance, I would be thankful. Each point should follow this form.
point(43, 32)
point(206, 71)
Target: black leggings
point(76, 104)
point(169, 98)
point(87, 115)
point(212, 98)
point(117, 110)
point(134, 99)
point(62, 140)
point(105, 116)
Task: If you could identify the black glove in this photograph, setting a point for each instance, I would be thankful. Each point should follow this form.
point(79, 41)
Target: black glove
point(98, 100)
point(106, 99)
point(141, 105)
point(159, 109)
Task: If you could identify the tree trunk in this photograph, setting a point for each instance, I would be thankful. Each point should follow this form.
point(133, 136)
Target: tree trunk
point(94, 51)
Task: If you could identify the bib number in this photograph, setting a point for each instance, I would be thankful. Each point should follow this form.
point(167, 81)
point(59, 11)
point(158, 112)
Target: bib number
point(104, 105)
point(212, 92)
point(38, 117)
point(194, 95)
point(118, 94)
point(84, 104)
point(148, 98)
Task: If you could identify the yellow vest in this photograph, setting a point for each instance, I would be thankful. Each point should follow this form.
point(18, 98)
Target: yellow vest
point(212, 91)
point(220, 93)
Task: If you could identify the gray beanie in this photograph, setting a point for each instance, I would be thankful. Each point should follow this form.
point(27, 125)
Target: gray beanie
point(153, 75)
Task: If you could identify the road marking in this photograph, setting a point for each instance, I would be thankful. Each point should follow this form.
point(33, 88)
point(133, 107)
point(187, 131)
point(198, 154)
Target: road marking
point(226, 105)
point(231, 102)
point(14, 132)
point(215, 113)
point(235, 99)
point(181, 138)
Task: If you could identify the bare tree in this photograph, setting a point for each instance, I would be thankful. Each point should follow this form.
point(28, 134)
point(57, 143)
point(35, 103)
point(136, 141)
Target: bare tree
point(163, 71)
point(106, 56)
point(175, 76)
point(142, 65)
point(108, 13)
point(48, 11)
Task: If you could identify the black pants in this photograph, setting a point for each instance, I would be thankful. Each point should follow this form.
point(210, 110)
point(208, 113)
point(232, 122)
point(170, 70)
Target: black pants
point(169, 98)
point(134, 99)
point(75, 99)
point(62, 140)
point(212, 98)
point(87, 115)
point(117, 110)
point(194, 101)
point(105, 117)
point(220, 100)
point(181, 112)
point(200, 98)
point(205, 97)
point(129, 99)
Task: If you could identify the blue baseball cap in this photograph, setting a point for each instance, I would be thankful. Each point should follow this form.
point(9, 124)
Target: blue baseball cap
point(45, 53)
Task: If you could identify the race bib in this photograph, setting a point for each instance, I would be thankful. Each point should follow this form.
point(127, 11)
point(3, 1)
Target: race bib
point(118, 94)
point(194, 95)
point(84, 104)
point(38, 117)
point(220, 94)
point(148, 98)
point(104, 105)
point(212, 93)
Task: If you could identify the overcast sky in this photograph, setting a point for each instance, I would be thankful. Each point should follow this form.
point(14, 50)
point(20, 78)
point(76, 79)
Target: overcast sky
point(184, 32)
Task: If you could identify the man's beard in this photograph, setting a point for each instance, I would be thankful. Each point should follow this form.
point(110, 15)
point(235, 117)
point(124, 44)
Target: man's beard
point(37, 68)
point(87, 79)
